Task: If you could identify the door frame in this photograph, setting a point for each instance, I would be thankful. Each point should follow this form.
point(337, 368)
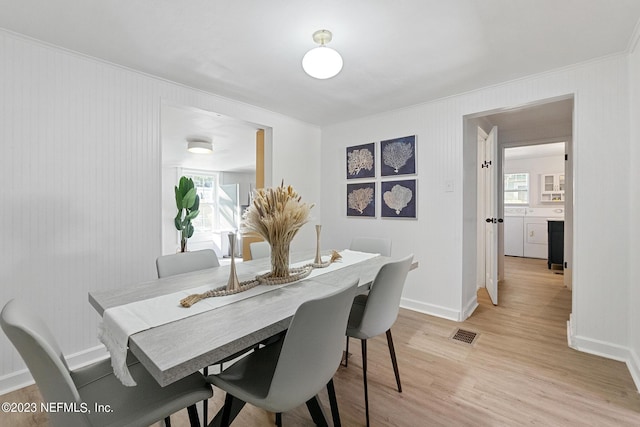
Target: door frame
point(470, 199)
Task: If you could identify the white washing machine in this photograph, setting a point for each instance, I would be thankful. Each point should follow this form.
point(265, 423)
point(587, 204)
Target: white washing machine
point(513, 235)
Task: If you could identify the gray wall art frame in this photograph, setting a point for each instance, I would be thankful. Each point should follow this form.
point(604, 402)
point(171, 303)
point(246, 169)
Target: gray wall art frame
point(398, 156)
point(361, 161)
point(361, 200)
point(398, 199)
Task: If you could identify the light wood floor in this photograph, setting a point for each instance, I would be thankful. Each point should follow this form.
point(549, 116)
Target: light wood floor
point(519, 371)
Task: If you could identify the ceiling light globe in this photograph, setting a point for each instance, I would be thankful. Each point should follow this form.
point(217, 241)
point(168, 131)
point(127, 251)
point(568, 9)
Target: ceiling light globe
point(322, 62)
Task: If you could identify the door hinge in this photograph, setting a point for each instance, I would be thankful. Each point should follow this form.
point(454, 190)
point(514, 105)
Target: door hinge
point(566, 265)
point(486, 164)
point(566, 157)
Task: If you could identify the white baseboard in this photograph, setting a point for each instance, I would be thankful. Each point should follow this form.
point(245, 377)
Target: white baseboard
point(23, 378)
point(605, 349)
point(469, 308)
point(433, 310)
point(634, 368)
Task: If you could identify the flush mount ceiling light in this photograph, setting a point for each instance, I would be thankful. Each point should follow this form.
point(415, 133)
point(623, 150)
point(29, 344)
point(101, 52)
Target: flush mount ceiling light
point(322, 62)
point(199, 146)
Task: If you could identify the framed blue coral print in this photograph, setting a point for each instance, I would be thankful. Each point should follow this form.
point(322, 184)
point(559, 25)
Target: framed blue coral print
point(361, 161)
point(398, 156)
point(361, 200)
point(398, 199)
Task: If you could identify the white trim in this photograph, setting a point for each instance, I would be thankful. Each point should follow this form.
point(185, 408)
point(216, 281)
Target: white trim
point(634, 367)
point(600, 348)
point(634, 40)
point(23, 378)
point(430, 309)
point(607, 350)
point(471, 306)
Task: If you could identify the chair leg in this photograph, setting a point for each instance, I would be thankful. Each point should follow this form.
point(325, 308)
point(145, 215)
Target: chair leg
point(364, 378)
point(335, 414)
point(194, 421)
point(226, 410)
point(279, 419)
point(205, 403)
point(346, 354)
point(394, 361)
point(167, 422)
point(317, 413)
point(232, 407)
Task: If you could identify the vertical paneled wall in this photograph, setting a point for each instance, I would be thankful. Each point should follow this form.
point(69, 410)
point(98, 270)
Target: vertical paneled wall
point(79, 164)
point(601, 144)
point(80, 171)
point(634, 198)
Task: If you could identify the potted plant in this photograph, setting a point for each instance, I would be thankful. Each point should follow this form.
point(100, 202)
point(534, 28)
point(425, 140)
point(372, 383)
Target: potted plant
point(188, 204)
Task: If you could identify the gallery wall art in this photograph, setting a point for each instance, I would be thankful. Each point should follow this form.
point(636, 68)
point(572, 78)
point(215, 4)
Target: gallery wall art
point(398, 199)
point(361, 200)
point(397, 196)
point(398, 156)
point(361, 161)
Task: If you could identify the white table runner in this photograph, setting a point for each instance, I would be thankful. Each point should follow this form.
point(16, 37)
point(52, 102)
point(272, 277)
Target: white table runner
point(118, 323)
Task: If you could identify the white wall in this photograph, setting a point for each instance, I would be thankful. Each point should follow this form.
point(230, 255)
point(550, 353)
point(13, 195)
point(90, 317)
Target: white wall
point(634, 201)
point(601, 144)
point(80, 170)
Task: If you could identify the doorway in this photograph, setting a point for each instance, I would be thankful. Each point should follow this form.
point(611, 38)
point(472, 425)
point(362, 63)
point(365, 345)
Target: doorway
point(227, 176)
point(544, 122)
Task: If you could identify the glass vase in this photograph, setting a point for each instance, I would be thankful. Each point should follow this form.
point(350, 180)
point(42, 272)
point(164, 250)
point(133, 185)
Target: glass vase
point(280, 260)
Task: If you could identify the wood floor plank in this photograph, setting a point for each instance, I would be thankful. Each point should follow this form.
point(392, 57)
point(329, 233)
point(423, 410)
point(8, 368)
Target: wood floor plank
point(519, 371)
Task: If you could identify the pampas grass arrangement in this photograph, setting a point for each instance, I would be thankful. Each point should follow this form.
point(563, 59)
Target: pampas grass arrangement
point(276, 214)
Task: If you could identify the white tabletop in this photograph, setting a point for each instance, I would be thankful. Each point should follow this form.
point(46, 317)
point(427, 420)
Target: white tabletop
point(174, 350)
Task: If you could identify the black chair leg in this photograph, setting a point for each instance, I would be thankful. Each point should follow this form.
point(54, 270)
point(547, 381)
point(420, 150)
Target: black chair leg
point(316, 412)
point(279, 419)
point(394, 361)
point(346, 354)
point(205, 403)
point(232, 407)
point(364, 377)
point(167, 422)
point(193, 416)
point(333, 402)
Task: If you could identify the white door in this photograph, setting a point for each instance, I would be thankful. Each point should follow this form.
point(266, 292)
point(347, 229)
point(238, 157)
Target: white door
point(491, 217)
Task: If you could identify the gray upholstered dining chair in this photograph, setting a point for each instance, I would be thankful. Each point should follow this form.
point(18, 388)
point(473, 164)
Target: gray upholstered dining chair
point(260, 250)
point(292, 371)
point(374, 245)
point(374, 313)
point(95, 384)
point(185, 262)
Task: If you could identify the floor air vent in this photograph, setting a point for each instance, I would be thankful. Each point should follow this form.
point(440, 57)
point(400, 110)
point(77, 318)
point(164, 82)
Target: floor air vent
point(464, 336)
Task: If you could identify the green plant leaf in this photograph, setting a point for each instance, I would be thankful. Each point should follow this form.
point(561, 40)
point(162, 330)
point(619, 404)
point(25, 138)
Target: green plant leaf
point(196, 204)
point(177, 221)
point(178, 198)
point(189, 199)
point(189, 230)
point(191, 215)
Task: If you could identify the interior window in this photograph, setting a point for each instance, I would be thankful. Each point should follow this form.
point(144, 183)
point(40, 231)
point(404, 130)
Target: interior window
point(206, 222)
point(516, 188)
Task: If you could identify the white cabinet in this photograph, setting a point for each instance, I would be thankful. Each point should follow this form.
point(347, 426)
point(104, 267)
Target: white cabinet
point(552, 187)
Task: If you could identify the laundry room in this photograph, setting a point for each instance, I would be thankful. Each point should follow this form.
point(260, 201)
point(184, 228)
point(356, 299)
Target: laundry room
point(534, 198)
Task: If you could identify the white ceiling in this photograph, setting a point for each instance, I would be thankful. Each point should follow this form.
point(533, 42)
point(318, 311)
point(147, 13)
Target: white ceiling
point(396, 53)
point(234, 141)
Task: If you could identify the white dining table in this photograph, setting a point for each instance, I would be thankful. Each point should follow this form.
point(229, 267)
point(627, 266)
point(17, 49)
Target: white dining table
point(177, 349)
